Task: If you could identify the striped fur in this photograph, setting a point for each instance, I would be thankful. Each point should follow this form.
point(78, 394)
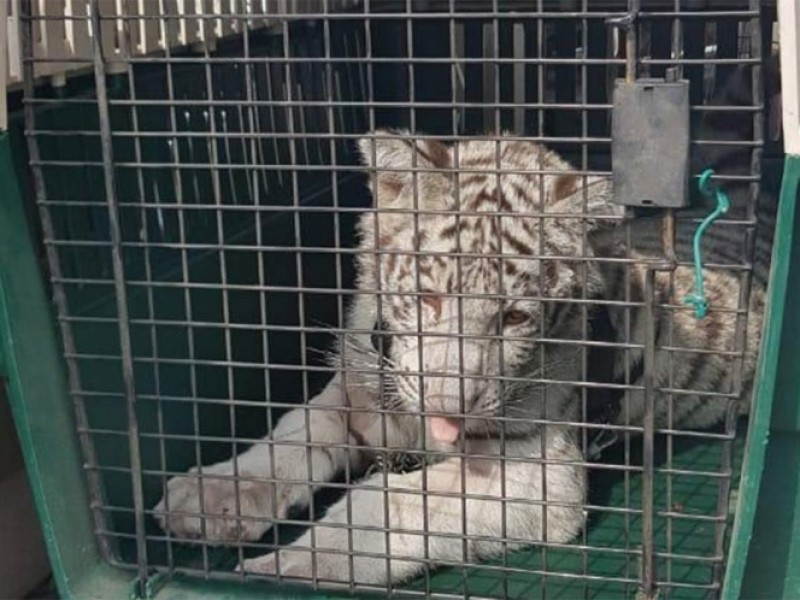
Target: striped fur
point(694, 355)
point(479, 271)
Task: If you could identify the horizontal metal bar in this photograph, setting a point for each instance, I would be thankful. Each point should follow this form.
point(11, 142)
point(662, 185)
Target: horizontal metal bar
point(374, 60)
point(321, 136)
point(674, 433)
point(355, 292)
point(342, 331)
point(339, 210)
point(712, 266)
point(214, 167)
point(577, 547)
point(595, 466)
point(370, 15)
point(422, 104)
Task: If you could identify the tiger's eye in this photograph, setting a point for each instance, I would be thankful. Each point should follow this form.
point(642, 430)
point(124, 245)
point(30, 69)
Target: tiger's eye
point(515, 317)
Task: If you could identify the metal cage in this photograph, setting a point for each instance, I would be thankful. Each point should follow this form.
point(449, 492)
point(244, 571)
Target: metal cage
point(199, 188)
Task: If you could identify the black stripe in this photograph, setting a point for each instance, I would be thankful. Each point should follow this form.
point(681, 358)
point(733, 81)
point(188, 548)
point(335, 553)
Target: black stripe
point(603, 404)
point(556, 312)
point(702, 402)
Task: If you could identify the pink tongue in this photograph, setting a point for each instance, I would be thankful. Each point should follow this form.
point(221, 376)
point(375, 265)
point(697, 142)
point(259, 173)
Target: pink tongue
point(443, 429)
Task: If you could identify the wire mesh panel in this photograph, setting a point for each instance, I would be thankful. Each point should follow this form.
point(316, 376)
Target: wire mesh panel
point(358, 268)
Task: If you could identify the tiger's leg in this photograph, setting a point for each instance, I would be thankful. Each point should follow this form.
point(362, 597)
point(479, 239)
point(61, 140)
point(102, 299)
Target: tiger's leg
point(428, 519)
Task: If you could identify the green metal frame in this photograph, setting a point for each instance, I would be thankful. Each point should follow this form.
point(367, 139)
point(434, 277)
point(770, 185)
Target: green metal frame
point(30, 362)
point(765, 549)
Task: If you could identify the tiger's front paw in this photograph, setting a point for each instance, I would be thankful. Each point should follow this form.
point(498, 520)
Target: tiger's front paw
point(217, 509)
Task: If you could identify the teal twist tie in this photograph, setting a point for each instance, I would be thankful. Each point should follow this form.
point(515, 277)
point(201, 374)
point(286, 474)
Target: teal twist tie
point(708, 189)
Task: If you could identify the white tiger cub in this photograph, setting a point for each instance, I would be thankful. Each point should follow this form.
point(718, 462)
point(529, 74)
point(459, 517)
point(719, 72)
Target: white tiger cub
point(460, 300)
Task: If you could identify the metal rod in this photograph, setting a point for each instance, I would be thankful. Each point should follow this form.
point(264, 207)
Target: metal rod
point(121, 299)
point(745, 283)
point(631, 46)
point(96, 493)
point(648, 566)
point(149, 271)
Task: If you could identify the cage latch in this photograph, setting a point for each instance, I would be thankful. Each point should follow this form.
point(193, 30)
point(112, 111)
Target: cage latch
point(650, 143)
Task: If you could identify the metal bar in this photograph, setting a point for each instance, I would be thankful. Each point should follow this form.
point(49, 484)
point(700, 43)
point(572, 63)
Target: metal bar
point(96, 493)
point(558, 61)
point(745, 287)
point(401, 104)
point(647, 587)
point(631, 35)
point(585, 335)
point(668, 244)
point(475, 15)
point(121, 300)
point(151, 304)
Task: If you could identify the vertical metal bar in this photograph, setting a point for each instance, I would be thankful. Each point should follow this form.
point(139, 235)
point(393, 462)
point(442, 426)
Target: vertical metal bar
point(457, 83)
point(494, 68)
point(257, 150)
point(489, 74)
point(362, 121)
point(668, 218)
point(458, 78)
point(127, 52)
point(223, 278)
point(301, 310)
point(370, 80)
point(520, 88)
point(584, 98)
point(648, 565)
point(273, 121)
point(170, 25)
point(631, 47)
point(96, 494)
point(745, 282)
point(541, 80)
point(340, 315)
point(674, 73)
point(628, 338)
point(121, 296)
point(244, 27)
point(409, 13)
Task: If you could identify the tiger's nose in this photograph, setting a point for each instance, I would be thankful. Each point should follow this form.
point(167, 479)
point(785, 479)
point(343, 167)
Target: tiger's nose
point(453, 377)
point(450, 395)
point(447, 402)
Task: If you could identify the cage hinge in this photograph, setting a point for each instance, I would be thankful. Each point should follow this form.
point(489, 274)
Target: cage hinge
point(650, 143)
point(148, 588)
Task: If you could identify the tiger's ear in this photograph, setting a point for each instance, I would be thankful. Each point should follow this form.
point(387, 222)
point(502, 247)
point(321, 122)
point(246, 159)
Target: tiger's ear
point(389, 154)
point(589, 199)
